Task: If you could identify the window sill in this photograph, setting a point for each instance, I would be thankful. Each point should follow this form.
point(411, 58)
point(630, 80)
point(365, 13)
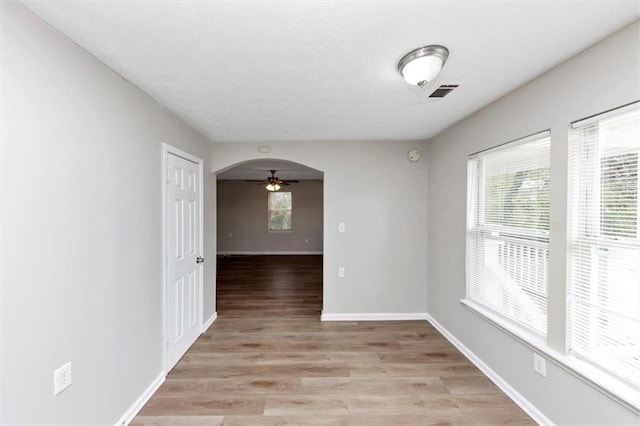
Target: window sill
point(625, 395)
point(280, 231)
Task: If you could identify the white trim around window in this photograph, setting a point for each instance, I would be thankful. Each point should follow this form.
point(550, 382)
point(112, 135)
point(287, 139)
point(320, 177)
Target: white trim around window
point(624, 395)
point(603, 247)
point(555, 342)
point(508, 230)
point(271, 210)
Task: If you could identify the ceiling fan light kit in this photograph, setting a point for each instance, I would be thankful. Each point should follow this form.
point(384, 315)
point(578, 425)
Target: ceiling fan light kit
point(422, 65)
point(272, 187)
point(273, 182)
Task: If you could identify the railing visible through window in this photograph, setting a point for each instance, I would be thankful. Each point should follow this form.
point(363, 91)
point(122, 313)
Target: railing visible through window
point(508, 230)
point(594, 327)
point(604, 244)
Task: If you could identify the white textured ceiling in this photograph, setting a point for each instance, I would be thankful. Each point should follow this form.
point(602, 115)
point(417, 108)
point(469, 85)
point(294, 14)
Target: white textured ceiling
point(260, 169)
point(326, 70)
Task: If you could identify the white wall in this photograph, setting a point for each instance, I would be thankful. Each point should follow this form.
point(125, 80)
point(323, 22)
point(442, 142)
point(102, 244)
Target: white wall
point(603, 77)
point(81, 228)
point(243, 213)
point(381, 197)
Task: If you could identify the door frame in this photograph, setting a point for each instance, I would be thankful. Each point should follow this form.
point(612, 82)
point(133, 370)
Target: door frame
point(166, 150)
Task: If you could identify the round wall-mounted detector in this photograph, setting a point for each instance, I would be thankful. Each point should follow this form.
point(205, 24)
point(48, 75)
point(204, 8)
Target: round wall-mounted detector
point(413, 155)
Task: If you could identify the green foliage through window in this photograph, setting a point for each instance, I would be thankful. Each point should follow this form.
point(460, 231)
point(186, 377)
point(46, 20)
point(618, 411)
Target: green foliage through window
point(280, 205)
point(619, 195)
point(519, 199)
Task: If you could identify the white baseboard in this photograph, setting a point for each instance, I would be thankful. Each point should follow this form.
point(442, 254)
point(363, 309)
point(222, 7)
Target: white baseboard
point(520, 400)
point(142, 399)
point(208, 322)
point(267, 253)
point(374, 317)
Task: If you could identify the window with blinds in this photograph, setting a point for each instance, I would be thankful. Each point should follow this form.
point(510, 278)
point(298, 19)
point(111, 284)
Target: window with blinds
point(604, 244)
point(508, 230)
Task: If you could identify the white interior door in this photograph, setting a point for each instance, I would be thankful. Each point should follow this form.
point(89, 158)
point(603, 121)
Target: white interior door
point(184, 263)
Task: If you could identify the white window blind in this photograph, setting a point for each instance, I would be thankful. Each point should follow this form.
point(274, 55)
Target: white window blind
point(604, 245)
point(508, 230)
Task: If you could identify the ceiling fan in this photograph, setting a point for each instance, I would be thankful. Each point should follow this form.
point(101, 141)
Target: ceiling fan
point(273, 182)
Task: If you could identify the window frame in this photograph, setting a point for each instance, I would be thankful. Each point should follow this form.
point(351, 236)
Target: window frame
point(595, 235)
point(555, 346)
point(474, 211)
point(269, 210)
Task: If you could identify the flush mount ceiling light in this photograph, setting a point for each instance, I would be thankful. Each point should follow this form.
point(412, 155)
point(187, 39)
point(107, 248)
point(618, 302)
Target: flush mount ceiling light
point(422, 65)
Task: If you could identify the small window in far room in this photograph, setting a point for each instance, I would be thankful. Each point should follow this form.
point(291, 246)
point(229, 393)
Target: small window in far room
point(280, 205)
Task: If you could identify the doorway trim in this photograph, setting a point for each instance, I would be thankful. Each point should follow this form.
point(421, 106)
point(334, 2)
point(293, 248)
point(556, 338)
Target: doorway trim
point(166, 150)
point(247, 158)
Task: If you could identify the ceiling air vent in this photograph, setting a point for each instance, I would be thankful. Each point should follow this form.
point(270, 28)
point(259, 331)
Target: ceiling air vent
point(443, 90)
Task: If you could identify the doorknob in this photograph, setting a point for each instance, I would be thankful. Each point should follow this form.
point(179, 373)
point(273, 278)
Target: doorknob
point(199, 259)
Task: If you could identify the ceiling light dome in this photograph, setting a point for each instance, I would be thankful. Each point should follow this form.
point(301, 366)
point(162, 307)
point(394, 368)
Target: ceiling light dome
point(422, 65)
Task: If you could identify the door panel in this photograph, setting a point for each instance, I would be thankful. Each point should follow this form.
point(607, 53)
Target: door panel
point(184, 274)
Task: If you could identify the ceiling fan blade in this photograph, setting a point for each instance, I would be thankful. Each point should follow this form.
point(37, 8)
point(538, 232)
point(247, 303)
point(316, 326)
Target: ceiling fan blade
point(257, 181)
point(291, 181)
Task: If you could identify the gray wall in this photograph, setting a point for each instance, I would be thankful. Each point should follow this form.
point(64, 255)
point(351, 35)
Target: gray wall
point(602, 77)
point(242, 211)
point(81, 223)
point(381, 197)
point(81, 228)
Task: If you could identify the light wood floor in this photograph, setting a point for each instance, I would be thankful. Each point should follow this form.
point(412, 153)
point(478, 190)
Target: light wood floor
point(269, 360)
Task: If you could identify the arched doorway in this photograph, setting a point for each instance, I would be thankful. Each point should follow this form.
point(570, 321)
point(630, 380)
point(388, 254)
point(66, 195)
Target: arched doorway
point(269, 239)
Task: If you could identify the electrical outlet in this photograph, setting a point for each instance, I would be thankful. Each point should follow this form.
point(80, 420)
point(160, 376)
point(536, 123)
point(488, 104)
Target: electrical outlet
point(340, 272)
point(306, 241)
point(230, 234)
point(539, 365)
point(341, 227)
point(62, 378)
